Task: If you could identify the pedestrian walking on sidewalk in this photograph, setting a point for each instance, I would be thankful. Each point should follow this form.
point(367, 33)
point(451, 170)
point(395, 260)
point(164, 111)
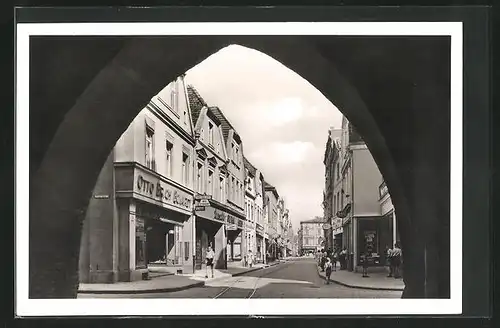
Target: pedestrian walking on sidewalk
point(396, 259)
point(388, 257)
point(250, 259)
point(343, 258)
point(365, 258)
point(323, 260)
point(209, 260)
point(335, 257)
point(328, 269)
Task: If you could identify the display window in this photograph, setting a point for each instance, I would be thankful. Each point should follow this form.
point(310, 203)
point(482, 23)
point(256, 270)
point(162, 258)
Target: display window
point(140, 244)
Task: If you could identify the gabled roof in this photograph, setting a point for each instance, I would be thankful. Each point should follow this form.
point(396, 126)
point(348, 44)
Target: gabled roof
point(226, 125)
point(196, 103)
point(268, 187)
point(249, 166)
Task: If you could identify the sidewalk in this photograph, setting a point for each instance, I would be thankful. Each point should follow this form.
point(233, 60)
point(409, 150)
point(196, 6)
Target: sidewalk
point(164, 284)
point(375, 281)
point(169, 282)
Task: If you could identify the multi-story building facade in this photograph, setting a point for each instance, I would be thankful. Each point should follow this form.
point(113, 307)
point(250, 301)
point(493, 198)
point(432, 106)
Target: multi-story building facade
point(272, 199)
point(311, 235)
point(250, 207)
point(300, 240)
point(330, 161)
point(236, 227)
point(280, 227)
point(364, 229)
point(254, 210)
point(337, 180)
point(140, 210)
point(210, 176)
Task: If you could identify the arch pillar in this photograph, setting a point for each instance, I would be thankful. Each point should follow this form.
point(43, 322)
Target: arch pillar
point(61, 187)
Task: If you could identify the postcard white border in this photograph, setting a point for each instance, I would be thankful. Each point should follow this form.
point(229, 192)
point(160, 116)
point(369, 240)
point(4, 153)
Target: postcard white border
point(128, 307)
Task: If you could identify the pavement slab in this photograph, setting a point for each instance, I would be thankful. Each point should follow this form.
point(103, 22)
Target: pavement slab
point(374, 281)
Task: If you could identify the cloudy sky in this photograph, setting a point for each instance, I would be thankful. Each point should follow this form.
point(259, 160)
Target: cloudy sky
point(282, 119)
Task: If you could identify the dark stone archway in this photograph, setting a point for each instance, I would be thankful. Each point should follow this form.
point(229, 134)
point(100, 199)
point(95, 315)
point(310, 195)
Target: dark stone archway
point(397, 97)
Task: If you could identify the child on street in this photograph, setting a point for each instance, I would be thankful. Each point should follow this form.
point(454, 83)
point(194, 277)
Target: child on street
point(328, 269)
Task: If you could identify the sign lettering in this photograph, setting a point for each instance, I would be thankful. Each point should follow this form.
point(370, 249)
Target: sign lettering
point(219, 216)
point(163, 192)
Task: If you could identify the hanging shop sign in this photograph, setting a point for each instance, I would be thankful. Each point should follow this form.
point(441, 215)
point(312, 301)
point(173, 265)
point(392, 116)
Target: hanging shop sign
point(204, 202)
point(327, 226)
point(152, 187)
point(203, 197)
point(231, 227)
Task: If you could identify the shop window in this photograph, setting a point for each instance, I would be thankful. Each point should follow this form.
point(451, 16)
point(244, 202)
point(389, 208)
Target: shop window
point(149, 151)
point(233, 189)
point(187, 252)
point(168, 167)
point(221, 188)
point(241, 193)
point(210, 182)
point(140, 244)
point(199, 177)
point(185, 168)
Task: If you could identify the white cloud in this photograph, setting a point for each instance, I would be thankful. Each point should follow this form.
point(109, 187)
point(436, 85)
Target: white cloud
point(279, 153)
point(282, 119)
point(284, 111)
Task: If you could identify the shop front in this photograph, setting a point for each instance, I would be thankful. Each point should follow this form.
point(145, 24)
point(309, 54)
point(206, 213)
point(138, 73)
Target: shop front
point(374, 237)
point(260, 241)
point(151, 212)
point(235, 237)
point(210, 231)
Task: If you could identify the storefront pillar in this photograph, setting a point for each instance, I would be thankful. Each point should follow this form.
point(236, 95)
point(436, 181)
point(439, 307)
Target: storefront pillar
point(355, 230)
point(264, 251)
point(220, 248)
point(187, 248)
point(394, 228)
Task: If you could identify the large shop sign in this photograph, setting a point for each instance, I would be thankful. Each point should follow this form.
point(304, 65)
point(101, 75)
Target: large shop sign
point(155, 188)
point(232, 222)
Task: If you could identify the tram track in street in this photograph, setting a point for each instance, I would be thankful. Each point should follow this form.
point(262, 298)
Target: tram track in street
point(251, 293)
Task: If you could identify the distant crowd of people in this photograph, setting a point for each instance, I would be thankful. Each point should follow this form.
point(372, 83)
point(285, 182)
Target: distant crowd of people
point(327, 260)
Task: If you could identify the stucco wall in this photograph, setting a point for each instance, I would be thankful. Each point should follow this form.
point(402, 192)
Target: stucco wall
point(366, 178)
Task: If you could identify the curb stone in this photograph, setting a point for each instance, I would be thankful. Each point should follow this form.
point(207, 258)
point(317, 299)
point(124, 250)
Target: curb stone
point(144, 291)
point(360, 287)
point(169, 289)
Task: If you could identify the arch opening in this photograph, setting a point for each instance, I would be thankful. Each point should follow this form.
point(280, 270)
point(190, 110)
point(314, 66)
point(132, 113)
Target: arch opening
point(127, 82)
